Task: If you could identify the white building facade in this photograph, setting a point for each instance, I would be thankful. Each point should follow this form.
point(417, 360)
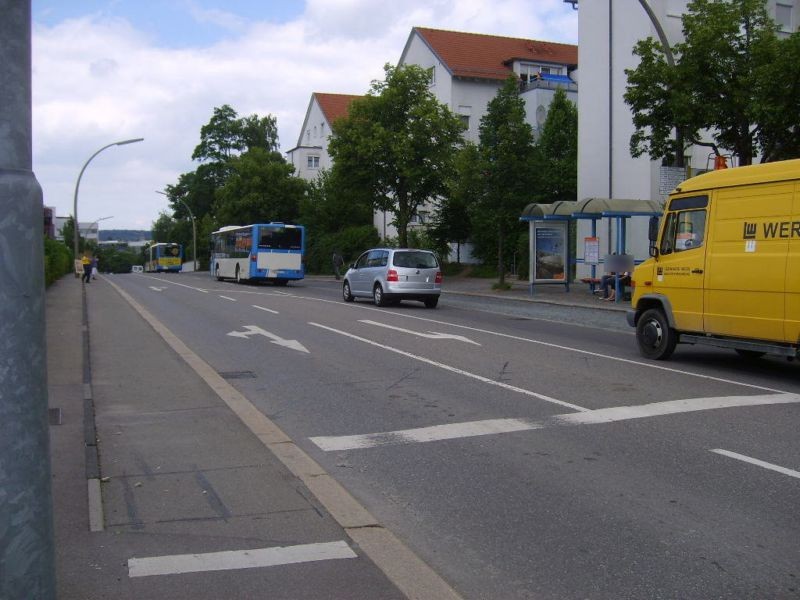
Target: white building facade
point(607, 33)
point(310, 155)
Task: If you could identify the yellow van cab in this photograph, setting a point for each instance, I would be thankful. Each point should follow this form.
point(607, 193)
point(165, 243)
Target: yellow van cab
point(725, 265)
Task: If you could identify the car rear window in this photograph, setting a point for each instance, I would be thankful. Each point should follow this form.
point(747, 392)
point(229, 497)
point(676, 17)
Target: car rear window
point(415, 260)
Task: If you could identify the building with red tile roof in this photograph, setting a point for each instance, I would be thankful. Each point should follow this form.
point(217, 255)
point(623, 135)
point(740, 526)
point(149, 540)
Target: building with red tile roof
point(311, 153)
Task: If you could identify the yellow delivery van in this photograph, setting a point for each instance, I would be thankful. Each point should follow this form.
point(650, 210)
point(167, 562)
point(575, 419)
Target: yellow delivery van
point(724, 266)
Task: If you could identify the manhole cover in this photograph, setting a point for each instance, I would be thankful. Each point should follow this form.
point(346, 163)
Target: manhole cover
point(237, 375)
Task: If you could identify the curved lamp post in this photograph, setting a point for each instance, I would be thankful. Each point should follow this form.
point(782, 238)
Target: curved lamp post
point(78, 184)
point(97, 222)
point(194, 227)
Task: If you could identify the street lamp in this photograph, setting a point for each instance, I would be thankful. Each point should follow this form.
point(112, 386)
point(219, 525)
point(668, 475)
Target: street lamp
point(96, 222)
point(78, 184)
point(194, 227)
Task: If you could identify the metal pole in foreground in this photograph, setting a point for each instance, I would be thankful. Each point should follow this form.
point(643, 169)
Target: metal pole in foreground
point(78, 184)
point(27, 556)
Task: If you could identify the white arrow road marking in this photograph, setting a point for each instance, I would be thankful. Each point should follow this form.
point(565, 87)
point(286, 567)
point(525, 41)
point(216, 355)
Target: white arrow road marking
point(452, 369)
point(229, 298)
point(269, 310)
point(255, 330)
point(431, 335)
point(157, 289)
point(237, 559)
point(758, 463)
point(191, 287)
point(590, 417)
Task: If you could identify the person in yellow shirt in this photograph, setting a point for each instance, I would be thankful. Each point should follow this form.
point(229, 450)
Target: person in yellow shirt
point(87, 269)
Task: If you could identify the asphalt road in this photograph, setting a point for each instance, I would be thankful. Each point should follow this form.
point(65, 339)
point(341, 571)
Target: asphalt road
point(489, 436)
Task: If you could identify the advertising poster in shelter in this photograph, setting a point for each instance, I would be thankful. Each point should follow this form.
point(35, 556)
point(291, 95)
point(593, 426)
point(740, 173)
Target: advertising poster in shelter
point(550, 246)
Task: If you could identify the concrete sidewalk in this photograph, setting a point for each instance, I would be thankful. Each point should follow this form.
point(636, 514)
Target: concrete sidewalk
point(175, 477)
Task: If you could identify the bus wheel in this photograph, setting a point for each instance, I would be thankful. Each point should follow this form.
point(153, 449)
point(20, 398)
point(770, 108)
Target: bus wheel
point(216, 273)
point(656, 338)
point(238, 275)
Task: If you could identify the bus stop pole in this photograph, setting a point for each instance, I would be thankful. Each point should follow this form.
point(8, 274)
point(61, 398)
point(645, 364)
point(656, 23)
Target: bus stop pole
point(27, 557)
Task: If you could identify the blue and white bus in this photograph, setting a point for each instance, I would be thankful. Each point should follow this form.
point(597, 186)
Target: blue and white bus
point(264, 252)
point(164, 258)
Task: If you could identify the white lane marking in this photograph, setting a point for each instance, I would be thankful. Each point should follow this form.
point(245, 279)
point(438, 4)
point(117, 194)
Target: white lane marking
point(156, 289)
point(256, 330)
point(431, 335)
point(672, 407)
point(759, 463)
point(453, 369)
point(238, 559)
point(649, 365)
point(424, 434)
point(229, 298)
point(191, 287)
point(496, 426)
point(269, 310)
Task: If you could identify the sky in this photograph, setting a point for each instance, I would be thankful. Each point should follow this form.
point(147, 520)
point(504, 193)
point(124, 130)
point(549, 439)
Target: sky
point(112, 70)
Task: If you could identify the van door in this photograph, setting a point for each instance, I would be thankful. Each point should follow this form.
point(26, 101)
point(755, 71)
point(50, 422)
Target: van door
point(680, 270)
point(747, 261)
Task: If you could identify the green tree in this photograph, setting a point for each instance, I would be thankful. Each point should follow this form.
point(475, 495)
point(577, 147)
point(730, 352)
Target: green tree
point(725, 79)
point(451, 221)
point(397, 144)
point(261, 187)
point(164, 228)
point(556, 153)
point(506, 149)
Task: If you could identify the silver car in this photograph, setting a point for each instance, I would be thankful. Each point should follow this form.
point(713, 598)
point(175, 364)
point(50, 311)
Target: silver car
point(388, 275)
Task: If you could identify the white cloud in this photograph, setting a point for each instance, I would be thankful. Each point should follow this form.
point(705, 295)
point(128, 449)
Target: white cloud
point(98, 79)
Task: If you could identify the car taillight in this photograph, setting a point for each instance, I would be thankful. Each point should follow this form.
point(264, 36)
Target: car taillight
point(438, 277)
point(392, 275)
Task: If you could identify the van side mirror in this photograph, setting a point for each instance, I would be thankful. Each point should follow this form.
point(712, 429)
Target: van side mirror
point(652, 231)
point(652, 235)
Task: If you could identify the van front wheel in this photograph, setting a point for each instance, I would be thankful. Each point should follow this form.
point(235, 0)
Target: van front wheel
point(656, 338)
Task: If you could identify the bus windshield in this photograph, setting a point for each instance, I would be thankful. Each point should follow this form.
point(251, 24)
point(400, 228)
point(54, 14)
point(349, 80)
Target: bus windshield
point(281, 238)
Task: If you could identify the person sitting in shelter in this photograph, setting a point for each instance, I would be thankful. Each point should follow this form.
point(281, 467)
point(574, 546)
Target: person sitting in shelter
point(607, 287)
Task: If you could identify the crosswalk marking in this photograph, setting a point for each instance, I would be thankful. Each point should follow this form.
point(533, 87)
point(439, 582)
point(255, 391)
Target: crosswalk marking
point(591, 417)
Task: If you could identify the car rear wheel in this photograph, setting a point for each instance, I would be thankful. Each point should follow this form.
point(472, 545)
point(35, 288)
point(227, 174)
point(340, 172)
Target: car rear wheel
point(656, 338)
point(346, 293)
point(431, 302)
point(378, 297)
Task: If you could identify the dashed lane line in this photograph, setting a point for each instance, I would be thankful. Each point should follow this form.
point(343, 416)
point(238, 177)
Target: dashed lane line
point(758, 463)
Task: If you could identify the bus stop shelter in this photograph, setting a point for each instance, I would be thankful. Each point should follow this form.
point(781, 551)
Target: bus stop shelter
point(551, 249)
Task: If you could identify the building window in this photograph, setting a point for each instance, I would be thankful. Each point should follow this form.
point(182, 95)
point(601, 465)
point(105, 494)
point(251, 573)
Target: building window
point(432, 76)
point(783, 17)
point(465, 121)
point(313, 162)
point(308, 135)
point(322, 129)
point(529, 72)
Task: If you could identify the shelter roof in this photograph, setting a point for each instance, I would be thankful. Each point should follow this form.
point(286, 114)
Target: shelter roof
point(590, 208)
